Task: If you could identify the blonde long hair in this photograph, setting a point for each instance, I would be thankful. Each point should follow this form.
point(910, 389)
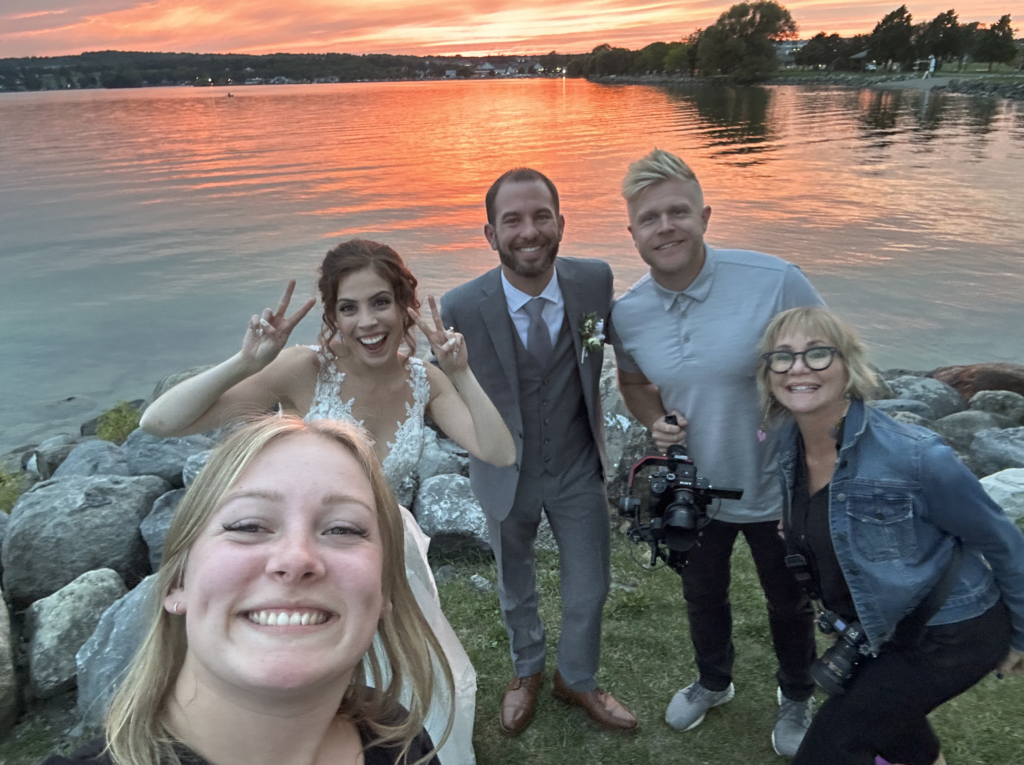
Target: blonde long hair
point(135, 730)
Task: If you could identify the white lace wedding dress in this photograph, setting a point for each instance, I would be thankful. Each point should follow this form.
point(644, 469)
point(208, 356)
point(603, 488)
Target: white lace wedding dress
point(400, 468)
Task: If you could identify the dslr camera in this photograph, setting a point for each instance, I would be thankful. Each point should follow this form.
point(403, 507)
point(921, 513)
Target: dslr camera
point(676, 504)
point(835, 668)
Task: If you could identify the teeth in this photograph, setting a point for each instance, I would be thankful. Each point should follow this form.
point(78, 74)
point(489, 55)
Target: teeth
point(530, 249)
point(371, 340)
point(287, 618)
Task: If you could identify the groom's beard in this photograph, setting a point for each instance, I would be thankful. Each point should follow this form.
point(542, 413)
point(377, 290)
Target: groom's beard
point(529, 270)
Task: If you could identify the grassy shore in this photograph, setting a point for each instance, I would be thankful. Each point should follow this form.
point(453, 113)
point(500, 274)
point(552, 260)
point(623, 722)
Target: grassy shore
point(646, 657)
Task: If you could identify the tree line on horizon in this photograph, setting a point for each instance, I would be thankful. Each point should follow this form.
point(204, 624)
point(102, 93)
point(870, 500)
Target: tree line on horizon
point(740, 45)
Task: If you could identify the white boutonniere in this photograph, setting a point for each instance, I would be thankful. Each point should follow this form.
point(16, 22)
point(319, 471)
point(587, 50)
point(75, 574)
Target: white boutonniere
point(591, 334)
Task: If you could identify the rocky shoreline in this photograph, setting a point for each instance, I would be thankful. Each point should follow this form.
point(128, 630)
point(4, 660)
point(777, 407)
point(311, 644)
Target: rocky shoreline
point(82, 541)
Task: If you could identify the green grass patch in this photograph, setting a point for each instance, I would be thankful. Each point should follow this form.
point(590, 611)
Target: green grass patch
point(10, 490)
point(647, 656)
point(118, 423)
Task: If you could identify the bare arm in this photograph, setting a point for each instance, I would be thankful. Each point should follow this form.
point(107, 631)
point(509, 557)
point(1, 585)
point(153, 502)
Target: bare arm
point(643, 400)
point(458, 404)
point(257, 377)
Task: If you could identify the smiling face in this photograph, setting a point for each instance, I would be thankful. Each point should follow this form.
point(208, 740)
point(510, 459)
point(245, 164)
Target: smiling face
point(370, 322)
point(526, 232)
point(282, 588)
point(668, 221)
point(802, 390)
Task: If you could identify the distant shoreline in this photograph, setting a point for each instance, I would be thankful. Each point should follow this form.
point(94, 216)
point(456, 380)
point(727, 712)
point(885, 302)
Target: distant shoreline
point(999, 85)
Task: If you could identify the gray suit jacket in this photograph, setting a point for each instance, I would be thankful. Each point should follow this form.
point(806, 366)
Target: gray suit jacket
point(479, 311)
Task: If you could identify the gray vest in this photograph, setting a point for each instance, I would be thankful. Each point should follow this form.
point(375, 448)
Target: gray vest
point(555, 425)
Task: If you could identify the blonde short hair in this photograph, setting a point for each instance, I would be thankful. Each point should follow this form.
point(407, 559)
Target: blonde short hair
point(134, 726)
point(820, 323)
point(657, 167)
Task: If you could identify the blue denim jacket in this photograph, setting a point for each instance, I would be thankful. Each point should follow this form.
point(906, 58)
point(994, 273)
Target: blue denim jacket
point(897, 499)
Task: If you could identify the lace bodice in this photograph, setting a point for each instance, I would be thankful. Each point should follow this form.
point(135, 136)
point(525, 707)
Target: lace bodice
point(404, 453)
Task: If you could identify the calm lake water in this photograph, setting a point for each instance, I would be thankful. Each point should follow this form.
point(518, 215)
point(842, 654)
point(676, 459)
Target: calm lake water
point(140, 229)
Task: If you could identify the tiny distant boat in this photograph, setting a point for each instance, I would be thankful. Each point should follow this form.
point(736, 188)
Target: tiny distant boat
point(230, 96)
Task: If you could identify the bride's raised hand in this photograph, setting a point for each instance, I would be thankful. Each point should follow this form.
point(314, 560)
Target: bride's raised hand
point(449, 346)
point(267, 334)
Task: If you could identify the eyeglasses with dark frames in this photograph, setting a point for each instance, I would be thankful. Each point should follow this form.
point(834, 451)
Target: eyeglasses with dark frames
point(817, 359)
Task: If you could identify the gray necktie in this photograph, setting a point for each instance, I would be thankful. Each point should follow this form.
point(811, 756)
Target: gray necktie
point(538, 338)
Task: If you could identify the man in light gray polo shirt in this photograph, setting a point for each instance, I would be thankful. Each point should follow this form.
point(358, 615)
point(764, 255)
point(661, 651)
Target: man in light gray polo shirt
point(686, 339)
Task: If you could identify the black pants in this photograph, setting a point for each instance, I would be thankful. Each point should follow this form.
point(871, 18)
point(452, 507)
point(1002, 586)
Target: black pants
point(884, 711)
point(790, 615)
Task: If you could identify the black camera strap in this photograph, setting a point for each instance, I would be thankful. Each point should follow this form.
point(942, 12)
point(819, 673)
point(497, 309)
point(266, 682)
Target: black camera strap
point(910, 630)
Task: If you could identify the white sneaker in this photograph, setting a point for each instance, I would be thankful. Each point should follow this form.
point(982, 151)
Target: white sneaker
point(689, 706)
point(791, 725)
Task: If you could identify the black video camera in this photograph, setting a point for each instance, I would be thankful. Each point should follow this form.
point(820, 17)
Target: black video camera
point(677, 507)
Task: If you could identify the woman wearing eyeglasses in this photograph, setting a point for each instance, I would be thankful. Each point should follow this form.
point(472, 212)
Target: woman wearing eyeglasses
point(883, 517)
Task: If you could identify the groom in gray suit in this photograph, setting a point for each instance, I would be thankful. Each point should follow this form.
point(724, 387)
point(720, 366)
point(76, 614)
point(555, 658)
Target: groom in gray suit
point(527, 324)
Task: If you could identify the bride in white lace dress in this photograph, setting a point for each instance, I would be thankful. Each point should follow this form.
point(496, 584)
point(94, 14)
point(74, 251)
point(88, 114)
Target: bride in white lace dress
point(358, 373)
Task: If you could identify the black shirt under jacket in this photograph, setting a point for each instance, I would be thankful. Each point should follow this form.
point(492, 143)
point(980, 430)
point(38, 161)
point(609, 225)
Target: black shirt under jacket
point(809, 526)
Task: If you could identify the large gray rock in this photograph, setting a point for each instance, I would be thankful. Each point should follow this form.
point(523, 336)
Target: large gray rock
point(611, 400)
point(193, 466)
point(958, 429)
point(15, 461)
point(994, 450)
point(173, 379)
point(154, 527)
point(879, 391)
point(94, 458)
point(59, 625)
point(909, 418)
point(52, 452)
point(448, 512)
point(943, 399)
point(8, 679)
point(1004, 402)
point(4, 520)
point(65, 527)
point(441, 457)
point(892, 405)
point(638, 444)
point(104, 659)
point(165, 457)
point(1007, 490)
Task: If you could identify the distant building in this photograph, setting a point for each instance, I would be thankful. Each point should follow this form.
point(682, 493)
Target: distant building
point(785, 51)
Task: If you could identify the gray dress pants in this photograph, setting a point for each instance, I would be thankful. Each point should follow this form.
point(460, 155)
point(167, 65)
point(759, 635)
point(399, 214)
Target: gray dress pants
point(576, 506)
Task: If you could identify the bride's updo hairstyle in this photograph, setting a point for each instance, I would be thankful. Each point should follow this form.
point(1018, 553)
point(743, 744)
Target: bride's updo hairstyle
point(356, 255)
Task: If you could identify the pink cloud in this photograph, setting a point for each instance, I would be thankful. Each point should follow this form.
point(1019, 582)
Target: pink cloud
point(422, 27)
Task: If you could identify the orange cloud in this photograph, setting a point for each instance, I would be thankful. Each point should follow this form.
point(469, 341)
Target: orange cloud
point(421, 27)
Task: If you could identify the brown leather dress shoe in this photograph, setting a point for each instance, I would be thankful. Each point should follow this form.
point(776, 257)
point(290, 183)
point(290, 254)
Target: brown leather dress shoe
point(518, 703)
point(600, 705)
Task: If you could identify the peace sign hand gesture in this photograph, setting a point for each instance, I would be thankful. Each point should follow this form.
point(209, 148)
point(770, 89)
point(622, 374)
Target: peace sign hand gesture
point(267, 334)
point(449, 346)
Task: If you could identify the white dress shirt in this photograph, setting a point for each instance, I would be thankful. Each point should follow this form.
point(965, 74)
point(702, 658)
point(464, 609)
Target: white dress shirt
point(554, 308)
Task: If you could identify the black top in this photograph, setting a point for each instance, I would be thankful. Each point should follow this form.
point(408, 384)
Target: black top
point(90, 754)
point(809, 527)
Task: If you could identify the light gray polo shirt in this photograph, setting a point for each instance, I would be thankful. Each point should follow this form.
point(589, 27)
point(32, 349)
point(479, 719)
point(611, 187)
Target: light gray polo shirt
point(699, 347)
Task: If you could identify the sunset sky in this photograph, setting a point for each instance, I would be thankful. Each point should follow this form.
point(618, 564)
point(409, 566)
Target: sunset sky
point(420, 27)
